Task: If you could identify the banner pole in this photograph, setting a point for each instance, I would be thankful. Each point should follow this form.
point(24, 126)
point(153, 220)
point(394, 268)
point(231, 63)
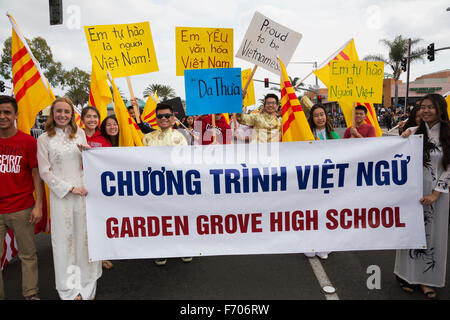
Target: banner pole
point(135, 107)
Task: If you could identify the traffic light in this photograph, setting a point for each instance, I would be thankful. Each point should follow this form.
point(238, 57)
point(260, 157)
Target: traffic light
point(56, 11)
point(430, 52)
point(266, 82)
point(404, 62)
point(319, 99)
point(2, 86)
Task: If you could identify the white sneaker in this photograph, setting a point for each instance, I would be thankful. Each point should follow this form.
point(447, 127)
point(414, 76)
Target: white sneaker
point(186, 259)
point(322, 255)
point(160, 262)
point(310, 254)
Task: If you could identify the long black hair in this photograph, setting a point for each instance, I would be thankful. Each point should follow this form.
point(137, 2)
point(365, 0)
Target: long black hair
point(114, 140)
point(328, 126)
point(440, 105)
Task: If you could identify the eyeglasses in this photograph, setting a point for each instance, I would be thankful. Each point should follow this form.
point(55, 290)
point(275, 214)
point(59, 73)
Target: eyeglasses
point(271, 103)
point(164, 115)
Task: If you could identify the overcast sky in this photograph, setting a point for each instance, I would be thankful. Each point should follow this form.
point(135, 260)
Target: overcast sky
point(325, 25)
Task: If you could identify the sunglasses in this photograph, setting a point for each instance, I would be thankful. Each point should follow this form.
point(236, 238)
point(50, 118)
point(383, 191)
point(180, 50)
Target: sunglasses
point(164, 115)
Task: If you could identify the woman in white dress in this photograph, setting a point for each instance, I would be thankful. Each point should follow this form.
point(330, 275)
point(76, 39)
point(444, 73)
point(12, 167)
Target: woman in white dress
point(60, 166)
point(427, 267)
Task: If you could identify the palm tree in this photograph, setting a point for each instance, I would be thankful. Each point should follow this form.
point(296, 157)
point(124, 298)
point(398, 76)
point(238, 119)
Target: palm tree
point(295, 84)
point(398, 50)
point(164, 92)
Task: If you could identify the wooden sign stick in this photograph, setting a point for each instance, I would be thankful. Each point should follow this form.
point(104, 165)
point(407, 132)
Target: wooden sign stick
point(136, 108)
point(213, 123)
point(244, 93)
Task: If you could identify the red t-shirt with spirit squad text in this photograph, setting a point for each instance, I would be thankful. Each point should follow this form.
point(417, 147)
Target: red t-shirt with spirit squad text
point(17, 158)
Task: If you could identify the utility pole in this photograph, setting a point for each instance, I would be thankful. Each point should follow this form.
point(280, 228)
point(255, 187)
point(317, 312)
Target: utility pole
point(407, 74)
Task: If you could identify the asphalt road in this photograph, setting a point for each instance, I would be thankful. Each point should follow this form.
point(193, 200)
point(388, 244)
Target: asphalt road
point(247, 277)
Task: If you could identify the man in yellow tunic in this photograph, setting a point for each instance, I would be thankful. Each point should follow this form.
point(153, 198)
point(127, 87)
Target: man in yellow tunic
point(165, 135)
point(266, 125)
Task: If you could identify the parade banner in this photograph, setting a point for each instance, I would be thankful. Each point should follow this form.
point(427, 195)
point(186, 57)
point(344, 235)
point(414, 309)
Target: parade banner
point(265, 40)
point(203, 48)
point(249, 98)
point(151, 202)
point(123, 49)
point(211, 91)
point(290, 197)
point(353, 81)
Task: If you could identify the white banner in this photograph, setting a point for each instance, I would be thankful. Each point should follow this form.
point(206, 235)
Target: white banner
point(290, 197)
point(265, 40)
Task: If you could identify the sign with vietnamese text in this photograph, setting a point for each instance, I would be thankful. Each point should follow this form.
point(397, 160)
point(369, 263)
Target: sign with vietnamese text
point(356, 81)
point(210, 91)
point(123, 49)
point(203, 48)
point(265, 198)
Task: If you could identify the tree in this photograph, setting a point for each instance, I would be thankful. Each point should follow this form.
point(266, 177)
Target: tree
point(164, 92)
point(79, 82)
point(398, 50)
point(52, 69)
point(76, 80)
point(296, 84)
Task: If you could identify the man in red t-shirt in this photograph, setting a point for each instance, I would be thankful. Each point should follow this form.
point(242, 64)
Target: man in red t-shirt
point(360, 129)
point(19, 176)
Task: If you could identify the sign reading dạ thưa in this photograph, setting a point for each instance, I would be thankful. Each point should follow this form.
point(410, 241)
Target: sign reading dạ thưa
point(265, 40)
point(210, 91)
point(151, 202)
point(356, 81)
point(123, 49)
point(203, 48)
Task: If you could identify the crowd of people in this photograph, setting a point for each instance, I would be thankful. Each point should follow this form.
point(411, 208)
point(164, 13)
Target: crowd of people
point(55, 158)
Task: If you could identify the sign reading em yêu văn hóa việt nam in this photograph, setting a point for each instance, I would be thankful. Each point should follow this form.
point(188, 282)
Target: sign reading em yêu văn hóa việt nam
point(123, 49)
point(203, 48)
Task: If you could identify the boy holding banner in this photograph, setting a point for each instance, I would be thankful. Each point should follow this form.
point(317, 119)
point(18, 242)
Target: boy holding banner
point(360, 129)
point(165, 135)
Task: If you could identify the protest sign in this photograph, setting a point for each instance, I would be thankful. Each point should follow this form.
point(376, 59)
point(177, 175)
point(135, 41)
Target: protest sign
point(265, 40)
point(123, 49)
point(354, 81)
point(211, 91)
point(203, 48)
point(266, 198)
point(249, 98)
point(177, 106)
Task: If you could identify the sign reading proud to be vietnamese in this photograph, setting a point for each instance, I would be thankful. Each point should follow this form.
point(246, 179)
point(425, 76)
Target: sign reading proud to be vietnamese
point(211, 91)
point(123, 49)
point(356, 81)
point(265, 40)
point(203, 48)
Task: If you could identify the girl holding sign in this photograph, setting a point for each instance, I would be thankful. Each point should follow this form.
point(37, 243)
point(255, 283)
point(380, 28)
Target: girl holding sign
point(426, 267)
point(60, 166)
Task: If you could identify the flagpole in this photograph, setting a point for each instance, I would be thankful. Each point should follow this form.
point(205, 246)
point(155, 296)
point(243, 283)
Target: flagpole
point(135, 107)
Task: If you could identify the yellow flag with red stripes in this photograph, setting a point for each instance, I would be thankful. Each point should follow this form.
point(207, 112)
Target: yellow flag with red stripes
point(31, 89)
point(348, 52)
point(149, 113)
point(129, 133)
point(99, 93)
point(295, 127)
